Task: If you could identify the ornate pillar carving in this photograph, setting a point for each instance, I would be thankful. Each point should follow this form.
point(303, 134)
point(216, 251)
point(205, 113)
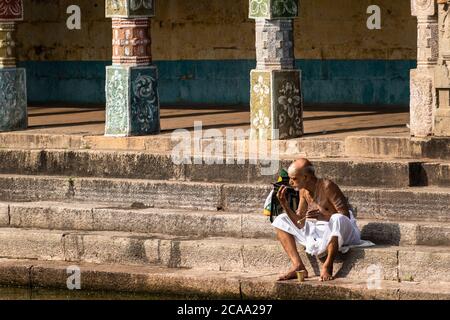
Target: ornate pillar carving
point(132, 100)
point(13, 91)
point(422, 95)
point(442, 72)
point(276, 101)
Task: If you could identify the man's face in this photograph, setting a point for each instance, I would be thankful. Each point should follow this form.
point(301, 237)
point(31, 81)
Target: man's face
point(297, 181)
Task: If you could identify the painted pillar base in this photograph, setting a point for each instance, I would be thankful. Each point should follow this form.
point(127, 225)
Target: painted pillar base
point(276, 104)
point(132, 101)
point(13, 99)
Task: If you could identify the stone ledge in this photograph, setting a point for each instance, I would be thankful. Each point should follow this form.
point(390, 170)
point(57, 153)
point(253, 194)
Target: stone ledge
point(97, 217)
point(217, 254)
point(379, 147)
point(406, 204)
point(142, 165)
point(206, 284)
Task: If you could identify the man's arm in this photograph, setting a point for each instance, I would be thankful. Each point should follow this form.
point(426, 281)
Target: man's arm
point(337, 199)
point(296, 217)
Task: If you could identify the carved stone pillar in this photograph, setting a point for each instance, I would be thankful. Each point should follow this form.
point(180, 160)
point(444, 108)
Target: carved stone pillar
point(423, 98)
point(276, 101)
point(132, 100)
point(13, 90)
point(442, 73)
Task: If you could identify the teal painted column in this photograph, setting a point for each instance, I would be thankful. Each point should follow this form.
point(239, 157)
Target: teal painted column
point(276, 101)
point(13, 89)
point(132, 100)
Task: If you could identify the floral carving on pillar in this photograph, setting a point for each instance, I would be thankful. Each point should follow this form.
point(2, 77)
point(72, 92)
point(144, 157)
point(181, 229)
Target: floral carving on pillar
point(11, 10)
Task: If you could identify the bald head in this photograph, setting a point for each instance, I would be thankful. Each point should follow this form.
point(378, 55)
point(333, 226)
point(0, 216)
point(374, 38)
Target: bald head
point(301, 166)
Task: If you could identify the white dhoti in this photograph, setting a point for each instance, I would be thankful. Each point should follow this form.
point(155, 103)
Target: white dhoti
point(316, 235)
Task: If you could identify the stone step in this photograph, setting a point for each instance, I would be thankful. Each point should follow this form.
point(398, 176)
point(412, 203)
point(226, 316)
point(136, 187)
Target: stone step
point(97, 217)
point(380, 147)
point(200, 283)
point(407, 204)
point(140, 165)
point(397, 147)
point(417, 263)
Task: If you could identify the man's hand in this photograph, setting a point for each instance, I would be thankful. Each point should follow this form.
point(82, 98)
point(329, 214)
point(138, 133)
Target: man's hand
point(313, 214)
point(281, 195)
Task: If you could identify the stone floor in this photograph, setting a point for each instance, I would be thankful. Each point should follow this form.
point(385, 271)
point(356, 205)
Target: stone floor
point(320, 121)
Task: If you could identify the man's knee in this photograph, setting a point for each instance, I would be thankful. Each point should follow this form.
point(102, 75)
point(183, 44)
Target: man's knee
point(334, 241)
point(280, 217)
point(338, 218)
point(280, 233)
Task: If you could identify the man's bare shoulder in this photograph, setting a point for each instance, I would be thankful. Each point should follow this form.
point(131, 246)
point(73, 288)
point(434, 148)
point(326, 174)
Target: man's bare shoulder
point(330, 187)
point(302, 193)
point(329, 184)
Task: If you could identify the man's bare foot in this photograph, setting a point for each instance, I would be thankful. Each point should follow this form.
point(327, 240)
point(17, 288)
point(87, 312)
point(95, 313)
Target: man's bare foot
point(327, 273)
point(292, 273)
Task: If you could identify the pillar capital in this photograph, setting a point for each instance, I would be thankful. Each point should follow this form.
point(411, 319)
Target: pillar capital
point(423, 8)
point(11, 10)
point(273, 9)
point(130, 8)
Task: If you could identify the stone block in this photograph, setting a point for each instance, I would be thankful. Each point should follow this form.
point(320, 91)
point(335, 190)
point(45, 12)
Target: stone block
point(50, 216)
point(11, 10)
point(441, 80)
point(107, 247)
point(273, 9)
point(31, 244)
point(442, 112)
point(4, 214)
point(276, 104)
point(442, 123)
point(13, 99)
point(225, 255)
point(429, 264)
point(132, 101)
point(130, 8)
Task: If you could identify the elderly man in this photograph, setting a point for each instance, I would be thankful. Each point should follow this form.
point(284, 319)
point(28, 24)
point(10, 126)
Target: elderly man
point(323, 223)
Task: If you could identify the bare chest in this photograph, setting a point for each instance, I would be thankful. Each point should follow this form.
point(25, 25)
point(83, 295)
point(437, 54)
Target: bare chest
point(319, 202)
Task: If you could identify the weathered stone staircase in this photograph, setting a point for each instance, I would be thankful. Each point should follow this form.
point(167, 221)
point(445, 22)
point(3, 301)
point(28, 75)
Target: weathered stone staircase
point(146, 224)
